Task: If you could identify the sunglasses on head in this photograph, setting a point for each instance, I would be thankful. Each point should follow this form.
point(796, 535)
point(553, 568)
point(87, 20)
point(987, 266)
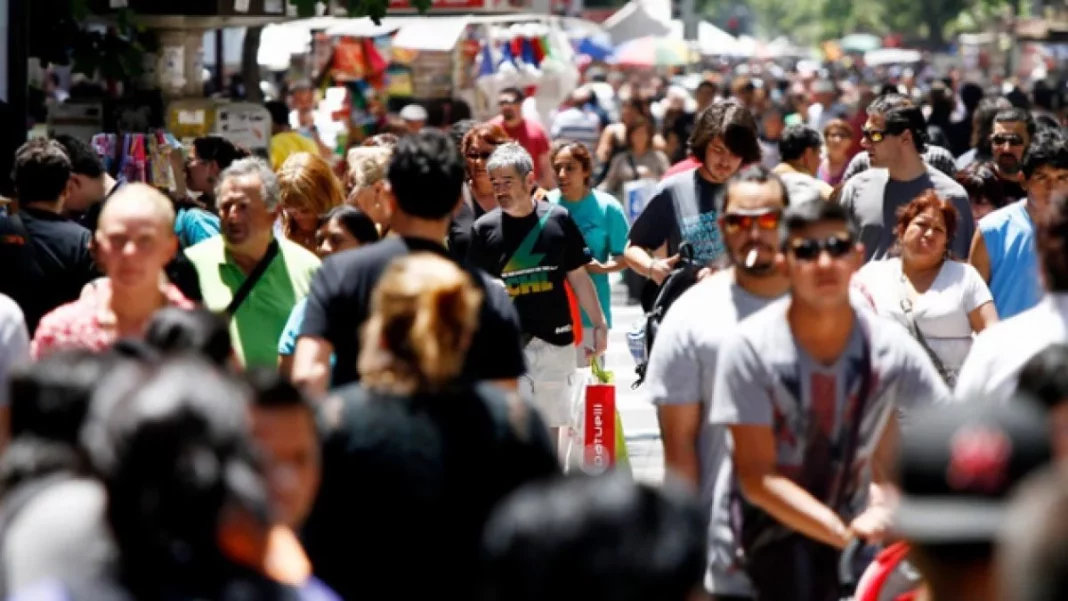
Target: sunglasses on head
point(1009, 139)
point(744, 221)
point(809, 249)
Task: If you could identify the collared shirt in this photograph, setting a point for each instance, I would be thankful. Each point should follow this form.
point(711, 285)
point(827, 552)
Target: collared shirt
point(259, 321)
point(79, 325)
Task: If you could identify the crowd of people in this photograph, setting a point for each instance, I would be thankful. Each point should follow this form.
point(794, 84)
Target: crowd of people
point(304, 378)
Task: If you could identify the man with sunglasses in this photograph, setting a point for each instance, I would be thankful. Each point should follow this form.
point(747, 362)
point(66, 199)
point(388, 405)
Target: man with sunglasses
point(810, 389)
point(1013, 130)
point(894, 137)
point(1003, 250)
point(683, 361)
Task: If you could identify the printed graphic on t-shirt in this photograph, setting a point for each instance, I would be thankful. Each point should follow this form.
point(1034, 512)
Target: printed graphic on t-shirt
point(702, 232)
point(524, 273)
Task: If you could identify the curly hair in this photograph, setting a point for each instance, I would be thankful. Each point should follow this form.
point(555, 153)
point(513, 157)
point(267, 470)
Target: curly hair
point(927, 199)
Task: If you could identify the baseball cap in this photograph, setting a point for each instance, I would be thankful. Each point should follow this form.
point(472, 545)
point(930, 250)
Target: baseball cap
point(958, 464)
point(413, 112)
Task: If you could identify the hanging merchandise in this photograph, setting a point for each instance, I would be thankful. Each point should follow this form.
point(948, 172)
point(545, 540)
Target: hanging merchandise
point(348, 63)
point(399, 81)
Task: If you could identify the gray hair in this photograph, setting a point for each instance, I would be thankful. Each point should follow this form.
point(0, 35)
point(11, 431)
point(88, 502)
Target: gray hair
point(269, 189)
point(512, 155)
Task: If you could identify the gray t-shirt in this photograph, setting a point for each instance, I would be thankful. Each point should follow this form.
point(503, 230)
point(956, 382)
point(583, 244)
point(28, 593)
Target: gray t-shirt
point(935, 156)
point(764, 378)
point(872, 198)
point(681, 371)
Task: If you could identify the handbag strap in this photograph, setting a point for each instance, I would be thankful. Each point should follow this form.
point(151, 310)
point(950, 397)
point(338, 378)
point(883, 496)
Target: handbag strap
point(250, 282)
point(914, 328)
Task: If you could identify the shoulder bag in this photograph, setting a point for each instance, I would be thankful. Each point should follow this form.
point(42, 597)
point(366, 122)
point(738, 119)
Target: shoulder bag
point(914, 329)
point(250, 282)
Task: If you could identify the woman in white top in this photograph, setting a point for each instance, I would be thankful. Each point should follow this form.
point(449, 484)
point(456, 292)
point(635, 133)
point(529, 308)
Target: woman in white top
point(942, 302)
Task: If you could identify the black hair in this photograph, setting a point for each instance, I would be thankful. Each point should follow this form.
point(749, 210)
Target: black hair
point(426, 173)
point(800, 216)
point(49, 404)
point(1051, 242)
point(707, 84)
point(1017, 115)
point(271, 390)
point(514, 92)
point(596, 539)
point(1045, 376)
point(901, 115)
point(983, 125)
point(460, 129)
point(358, 223)
point(218, 149)
point(1046, 149)
point(279, 112)
point(732, 123)
point(796, 139)
point(171, 445)
point(83, 159)
point(174, 331)
point(41, 171)
point(755, 173)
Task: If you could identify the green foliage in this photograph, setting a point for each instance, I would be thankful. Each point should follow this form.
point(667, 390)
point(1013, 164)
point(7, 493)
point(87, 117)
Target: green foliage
point(57, 37)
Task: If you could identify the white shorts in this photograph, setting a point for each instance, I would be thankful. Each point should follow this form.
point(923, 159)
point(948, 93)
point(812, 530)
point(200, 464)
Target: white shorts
point(550, 380)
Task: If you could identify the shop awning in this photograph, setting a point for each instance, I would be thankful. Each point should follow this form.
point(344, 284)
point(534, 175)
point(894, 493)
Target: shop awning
point(435, 34)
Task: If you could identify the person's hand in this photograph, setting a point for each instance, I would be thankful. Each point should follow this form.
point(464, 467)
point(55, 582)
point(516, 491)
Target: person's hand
point(704, 273)
point(872, 525)
point(600, 341)
point(662, 268)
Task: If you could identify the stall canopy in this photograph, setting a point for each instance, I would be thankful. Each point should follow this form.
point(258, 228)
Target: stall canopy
point(439, 34)
point(711, 40)
point(635, 20)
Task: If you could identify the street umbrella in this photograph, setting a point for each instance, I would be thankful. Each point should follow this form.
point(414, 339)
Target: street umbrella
point(652, 52)
point(860, 43)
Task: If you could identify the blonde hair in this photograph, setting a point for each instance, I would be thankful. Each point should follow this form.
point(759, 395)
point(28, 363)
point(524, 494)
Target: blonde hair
point(368, 165)
point(423, 314)
point(306, 180)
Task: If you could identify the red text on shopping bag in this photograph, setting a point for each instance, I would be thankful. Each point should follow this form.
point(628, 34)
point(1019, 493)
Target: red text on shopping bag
point(599, 434)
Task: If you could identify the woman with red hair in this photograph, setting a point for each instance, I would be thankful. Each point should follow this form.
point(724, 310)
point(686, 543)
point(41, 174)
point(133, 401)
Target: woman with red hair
point(940, 300)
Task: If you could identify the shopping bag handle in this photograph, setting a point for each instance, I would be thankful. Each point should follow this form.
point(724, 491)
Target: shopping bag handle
point(598, 371)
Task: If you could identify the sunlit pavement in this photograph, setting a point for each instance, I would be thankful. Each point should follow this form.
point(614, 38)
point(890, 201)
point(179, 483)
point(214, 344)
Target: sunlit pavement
point(639, 418)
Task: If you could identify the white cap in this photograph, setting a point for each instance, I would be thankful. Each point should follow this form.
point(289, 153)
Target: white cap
point(413, 112)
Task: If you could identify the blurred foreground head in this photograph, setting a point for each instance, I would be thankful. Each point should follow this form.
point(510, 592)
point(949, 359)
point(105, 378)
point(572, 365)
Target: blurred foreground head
point(596, 539)
point(171, 443)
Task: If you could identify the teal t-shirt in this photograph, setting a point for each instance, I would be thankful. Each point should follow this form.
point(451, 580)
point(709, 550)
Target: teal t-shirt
point(193, 226)
point(600, 218)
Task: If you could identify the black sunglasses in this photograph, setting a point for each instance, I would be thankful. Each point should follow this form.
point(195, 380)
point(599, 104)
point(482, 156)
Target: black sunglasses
point(471, 156)
point(1009, 139)
point(809, 249)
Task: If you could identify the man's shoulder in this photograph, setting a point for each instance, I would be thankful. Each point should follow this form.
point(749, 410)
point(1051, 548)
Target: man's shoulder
point(488, 220)
point(675, 183)
point(945, 185)
point(351, 263)
point(210, 250)
point(296, 255)
point(999, 217)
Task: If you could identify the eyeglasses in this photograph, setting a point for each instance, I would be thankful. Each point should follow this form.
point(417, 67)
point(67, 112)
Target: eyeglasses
point(837, 135)
point(744, 221)
point(474, 156)
point(809, 249)
point(875, 135)
point(1006, 139)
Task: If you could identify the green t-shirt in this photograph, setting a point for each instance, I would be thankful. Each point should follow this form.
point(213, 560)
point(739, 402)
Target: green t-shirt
point(600, 218)
point(259, 321)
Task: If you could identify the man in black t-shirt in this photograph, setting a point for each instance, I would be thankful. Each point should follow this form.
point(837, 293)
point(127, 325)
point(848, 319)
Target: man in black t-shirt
point(425, 175)
point(683, 206)
point(44, 257)
point(537, 250)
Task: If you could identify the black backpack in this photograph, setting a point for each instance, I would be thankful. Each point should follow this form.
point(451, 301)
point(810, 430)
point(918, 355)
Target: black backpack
point(678, 281)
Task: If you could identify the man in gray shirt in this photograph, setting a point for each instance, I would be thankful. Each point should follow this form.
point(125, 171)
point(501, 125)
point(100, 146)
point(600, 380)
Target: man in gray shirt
point(683, 360)
point(810, 389)
point(894, 137)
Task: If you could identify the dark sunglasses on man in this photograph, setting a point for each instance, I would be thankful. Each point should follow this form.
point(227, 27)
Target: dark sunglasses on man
point(809, 249)
point(878, 135)
point(742, 220)
point(1006, 140)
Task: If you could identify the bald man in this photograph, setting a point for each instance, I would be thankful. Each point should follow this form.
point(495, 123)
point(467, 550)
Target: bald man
point(134, 241)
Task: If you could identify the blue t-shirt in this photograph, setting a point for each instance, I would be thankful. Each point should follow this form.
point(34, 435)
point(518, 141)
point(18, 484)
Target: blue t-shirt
point(1009, 235)
point(195, 225)
point(600, 218)
point(287, 343)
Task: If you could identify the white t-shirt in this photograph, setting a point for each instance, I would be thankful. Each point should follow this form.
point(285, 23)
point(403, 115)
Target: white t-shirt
point(941, 313)
point(1003, 349)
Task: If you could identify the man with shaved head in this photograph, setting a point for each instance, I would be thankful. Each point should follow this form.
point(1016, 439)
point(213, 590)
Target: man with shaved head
point(134, 242)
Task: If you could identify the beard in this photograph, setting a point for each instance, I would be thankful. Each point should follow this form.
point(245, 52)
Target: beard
point(1008, 164)
point(754, 267)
